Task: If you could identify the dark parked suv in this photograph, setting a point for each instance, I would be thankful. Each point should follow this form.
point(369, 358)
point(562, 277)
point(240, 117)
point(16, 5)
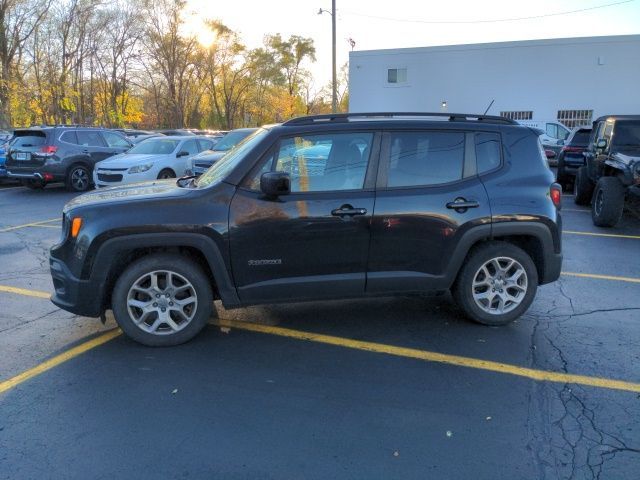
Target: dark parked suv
point(571, 156)
point(391, 204)
point(611, 174)
point(39, 155)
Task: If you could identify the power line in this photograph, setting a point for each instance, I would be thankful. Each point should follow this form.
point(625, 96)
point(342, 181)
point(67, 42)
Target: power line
point(497, 20)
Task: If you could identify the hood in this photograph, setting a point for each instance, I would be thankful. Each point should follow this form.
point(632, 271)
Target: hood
point(157, 189)
point(126, 160)
point(626, 158)
point(209, 157)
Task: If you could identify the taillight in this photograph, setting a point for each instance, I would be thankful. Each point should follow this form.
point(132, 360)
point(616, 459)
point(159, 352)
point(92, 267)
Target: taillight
point(49, 149)
point(573, 149)
point(555, 192)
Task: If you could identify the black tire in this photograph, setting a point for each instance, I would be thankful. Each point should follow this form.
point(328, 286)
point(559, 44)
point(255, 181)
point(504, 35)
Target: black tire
point(166, 173)
point(582, 187)
point(78, 179)
point(463, 289)
point(34, 184)
point(561, 177)
point(608, 202)
point(177, 264)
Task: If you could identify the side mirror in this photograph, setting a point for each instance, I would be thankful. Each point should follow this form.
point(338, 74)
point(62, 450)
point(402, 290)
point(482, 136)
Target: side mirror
point(274, 184)
point(182, 154)
point(602, 144)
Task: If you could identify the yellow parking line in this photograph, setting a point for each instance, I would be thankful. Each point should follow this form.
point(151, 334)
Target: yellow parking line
point(58, 359)
point(468, 362)
point(602, 277)
point(33, 224)
point(594, 234)
point(45, 226)
point(575, 210)
point(25, 292)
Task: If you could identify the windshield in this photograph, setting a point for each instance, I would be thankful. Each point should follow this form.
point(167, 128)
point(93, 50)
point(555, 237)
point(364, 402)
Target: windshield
point(627, 134)
point(231, 139)
point(226, 164)
point(155, 146)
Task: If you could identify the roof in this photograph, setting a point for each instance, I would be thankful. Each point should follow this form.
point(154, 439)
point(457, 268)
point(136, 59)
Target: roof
point(548, 42)
point(617, 117)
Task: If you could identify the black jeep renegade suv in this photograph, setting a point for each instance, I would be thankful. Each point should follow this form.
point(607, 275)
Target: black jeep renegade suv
point(325, 207)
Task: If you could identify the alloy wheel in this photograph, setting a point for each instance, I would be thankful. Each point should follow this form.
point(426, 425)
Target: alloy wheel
point(162, 302)
point(499, 285)
point(79, 179)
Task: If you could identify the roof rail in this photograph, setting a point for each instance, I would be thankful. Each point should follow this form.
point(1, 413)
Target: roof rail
point(345, 117)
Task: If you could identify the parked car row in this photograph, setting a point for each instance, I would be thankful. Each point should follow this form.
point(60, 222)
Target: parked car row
point(85, 156)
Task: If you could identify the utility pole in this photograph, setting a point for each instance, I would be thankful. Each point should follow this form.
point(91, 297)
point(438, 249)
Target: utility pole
point(334, 79)
point(334, 93)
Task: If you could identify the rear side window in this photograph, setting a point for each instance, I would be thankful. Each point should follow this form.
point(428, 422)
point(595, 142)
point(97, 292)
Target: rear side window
point(425, 158)
point(488, 148)
point(69, 137)
point(115, 140)
point(89, 139)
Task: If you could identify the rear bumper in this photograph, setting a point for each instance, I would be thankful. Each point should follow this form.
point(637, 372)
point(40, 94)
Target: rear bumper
point(72, 294)
point(34, 174)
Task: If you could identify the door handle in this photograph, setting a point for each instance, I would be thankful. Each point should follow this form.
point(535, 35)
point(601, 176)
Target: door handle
point(462, 204)
point(348, 210)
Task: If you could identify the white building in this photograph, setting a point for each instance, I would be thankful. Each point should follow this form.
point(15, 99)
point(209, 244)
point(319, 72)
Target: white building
point(573, 80)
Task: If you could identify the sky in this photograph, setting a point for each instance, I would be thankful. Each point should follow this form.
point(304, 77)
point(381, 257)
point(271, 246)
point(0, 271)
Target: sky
point(377, 24)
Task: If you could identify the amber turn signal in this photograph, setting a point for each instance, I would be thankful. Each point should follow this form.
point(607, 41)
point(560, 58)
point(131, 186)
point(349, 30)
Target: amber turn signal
point(76, 225)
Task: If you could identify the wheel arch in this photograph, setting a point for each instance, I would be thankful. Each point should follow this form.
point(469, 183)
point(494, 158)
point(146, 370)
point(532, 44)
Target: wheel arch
point(116, 254)
point(535, 238)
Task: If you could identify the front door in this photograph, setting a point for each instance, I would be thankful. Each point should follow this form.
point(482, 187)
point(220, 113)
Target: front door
point(429, 195)
point(314, 242)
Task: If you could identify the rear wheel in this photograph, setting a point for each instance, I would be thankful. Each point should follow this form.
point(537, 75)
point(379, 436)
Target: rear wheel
point(582, 187)
point(497, 283)
point(608, 202)
point(34, 184)
point(162, 300)
point(166, 173)
point(78, 179)
point(561, 176)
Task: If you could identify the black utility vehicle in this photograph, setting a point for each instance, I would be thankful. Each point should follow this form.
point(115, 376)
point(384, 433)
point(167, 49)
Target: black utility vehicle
point(40, 155)
point(612, 169)
point(571, 156)
point(325, 207)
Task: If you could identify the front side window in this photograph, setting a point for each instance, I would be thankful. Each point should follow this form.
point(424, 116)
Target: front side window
point(115, 140)
point(627, 134)
point(320, 163)
point(425, 158)
point(190, 146)
point(552, 130)
point(205, 144)
point(89, 139)
point(488, 149)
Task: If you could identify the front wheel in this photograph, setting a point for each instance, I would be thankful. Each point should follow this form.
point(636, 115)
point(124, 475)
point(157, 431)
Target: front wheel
point(78, 179)
point(162, 300)
point(497, 283)
point(608, 202)
point(166, 173)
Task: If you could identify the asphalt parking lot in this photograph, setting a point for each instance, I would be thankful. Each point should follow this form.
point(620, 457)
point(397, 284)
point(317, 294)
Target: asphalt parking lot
point(385, 388)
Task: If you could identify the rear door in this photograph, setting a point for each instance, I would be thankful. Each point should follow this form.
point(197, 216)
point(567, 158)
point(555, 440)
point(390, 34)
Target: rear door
point(314, 242)
point(423, 176)
point(93, 145)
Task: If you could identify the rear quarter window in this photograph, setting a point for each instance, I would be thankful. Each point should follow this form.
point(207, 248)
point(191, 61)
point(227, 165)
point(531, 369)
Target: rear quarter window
point(488, 151)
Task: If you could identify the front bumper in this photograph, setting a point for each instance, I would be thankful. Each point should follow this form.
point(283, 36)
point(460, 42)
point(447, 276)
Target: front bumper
point(80, 297)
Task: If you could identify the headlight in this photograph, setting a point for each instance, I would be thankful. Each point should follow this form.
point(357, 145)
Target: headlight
point(140, 168)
